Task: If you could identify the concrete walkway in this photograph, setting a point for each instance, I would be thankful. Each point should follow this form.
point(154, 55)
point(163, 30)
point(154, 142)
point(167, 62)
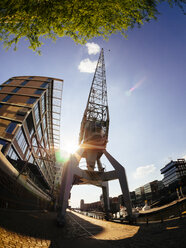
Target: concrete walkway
point(38, 229)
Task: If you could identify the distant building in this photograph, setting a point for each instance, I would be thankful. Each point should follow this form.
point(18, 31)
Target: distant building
point(174, 173)
point(94, 206)
point(152, 190)
point(114, 204)
point(132, 197)
point(140, 195)
point(82, 205)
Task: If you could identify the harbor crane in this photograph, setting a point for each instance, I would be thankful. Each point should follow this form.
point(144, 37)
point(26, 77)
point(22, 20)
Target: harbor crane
point(93, 139)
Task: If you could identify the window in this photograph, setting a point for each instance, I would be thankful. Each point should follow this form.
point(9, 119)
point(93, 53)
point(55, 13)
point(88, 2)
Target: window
point(22, 111)
point(15, 90)
point(47, 97)
point(34, 144)
point(42, 143)
point(44, 85)
point(31, 100)
point(31, 159)
point(1, 105)
point(43, 104)
point(42, 150)
point(38, 157)
point(1, 87)
point(30, 124)
point(13, 157)
point(20, 138)
point(44, 123)
point(24, 82)
point(12, 154)
point(2, 142)
point(42, 165)
point(7, 82)
point(30, 78)
point(11, 127)
point(36, 112)
point(28, 154)
point(38, 92)
point(6, 98)
point(39, 132)
point(46, 145)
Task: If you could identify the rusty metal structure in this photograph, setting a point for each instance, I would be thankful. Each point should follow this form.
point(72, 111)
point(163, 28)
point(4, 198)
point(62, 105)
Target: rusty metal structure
point(96, 113)
point(93, 139)
point(95, 123)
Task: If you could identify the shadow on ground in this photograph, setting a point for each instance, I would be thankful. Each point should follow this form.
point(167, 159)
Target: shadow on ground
point(42, 225)
point(170, 234)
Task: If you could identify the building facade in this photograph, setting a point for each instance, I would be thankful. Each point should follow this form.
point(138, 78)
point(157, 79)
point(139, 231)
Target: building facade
point(174, 173)
point(82, 203)
point(140, 195)
point(29, 134)
point(94, 206)
point(152, 190)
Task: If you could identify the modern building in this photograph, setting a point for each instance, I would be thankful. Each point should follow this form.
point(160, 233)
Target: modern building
point(152, 190)
point(140, 195)
point(30, 108)
point(174, 173)
point(132, 198)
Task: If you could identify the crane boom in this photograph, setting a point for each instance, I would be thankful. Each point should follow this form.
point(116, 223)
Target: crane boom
point(95, 123)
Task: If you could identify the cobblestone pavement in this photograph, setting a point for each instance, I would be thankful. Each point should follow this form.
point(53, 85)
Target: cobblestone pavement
point(38, 229)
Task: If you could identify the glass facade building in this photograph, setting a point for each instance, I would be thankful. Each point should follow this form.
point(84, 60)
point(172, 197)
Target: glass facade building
point(30, 108)
point(174, 173)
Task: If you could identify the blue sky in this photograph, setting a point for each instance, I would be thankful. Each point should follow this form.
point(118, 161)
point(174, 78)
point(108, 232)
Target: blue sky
point(146, 80)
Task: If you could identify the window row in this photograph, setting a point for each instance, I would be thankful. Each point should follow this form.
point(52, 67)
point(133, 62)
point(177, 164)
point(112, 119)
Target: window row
point(31, 100)
point(43, 85)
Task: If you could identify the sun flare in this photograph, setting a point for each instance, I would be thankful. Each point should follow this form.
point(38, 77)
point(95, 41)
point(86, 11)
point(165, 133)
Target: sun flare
point(70, 147)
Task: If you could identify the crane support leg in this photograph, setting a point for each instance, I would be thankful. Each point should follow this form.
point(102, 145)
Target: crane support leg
point(66, 184)
point(120, 172)
point(105, 190)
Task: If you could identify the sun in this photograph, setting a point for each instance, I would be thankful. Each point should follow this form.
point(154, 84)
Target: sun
point(70, 147)
point(67, 148)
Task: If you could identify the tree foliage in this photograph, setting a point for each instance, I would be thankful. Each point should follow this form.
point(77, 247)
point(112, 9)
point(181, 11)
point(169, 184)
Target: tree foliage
point(79, 19)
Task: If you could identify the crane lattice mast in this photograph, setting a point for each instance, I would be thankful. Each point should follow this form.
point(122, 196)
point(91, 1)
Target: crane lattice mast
point(96, 111)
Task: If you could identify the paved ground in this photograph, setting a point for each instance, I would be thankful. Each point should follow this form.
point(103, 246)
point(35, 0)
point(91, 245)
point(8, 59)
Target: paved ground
point(35, 230)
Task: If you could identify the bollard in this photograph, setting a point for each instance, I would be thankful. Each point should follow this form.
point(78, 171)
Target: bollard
point(180, 213)
point(147, 221)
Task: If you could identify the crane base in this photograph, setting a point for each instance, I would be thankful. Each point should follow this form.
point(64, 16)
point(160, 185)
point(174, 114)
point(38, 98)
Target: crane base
point(73, 175)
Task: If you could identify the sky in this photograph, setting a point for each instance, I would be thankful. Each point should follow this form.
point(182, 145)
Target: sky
point(146, 83)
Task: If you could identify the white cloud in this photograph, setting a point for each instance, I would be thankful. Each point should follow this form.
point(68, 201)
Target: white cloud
point(144, 171)
point(86, 65)
point(93, 48)
point(184, 157)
